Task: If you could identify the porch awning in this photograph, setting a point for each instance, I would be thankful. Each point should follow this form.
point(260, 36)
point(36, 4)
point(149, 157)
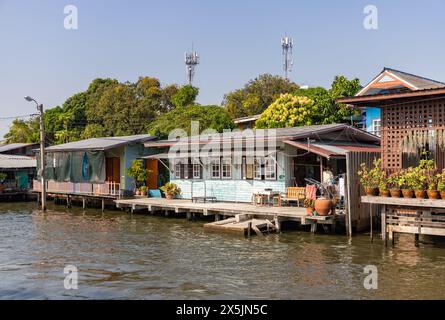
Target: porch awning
point(332, 151)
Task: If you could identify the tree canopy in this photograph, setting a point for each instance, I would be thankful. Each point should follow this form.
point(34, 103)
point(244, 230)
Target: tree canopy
point(329, 111)
point(257, 95)
point(209, 117)
point(288, 111)
point(106, 108)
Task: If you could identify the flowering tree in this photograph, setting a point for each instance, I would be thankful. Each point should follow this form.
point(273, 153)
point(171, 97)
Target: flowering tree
point(288, 111)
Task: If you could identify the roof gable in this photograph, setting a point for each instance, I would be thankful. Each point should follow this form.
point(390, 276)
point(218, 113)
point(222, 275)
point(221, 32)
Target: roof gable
point(395, 81)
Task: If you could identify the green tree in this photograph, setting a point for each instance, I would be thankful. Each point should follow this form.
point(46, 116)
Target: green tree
point(22, 131)
point(209, 117)
point(257, 95)
point(288, 111)
point(329, 111)
point(185, 96)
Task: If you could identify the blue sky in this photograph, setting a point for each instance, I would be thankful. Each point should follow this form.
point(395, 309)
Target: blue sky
point(237, 40)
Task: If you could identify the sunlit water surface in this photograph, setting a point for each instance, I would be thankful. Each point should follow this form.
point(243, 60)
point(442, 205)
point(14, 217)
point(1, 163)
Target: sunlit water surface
point(120, 256)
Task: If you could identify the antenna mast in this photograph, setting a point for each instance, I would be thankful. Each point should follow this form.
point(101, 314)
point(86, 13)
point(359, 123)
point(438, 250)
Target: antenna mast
point(287, 44)
point(191, 61)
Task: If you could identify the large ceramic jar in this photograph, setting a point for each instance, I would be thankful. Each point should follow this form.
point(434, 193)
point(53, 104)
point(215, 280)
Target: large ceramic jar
point(323, 206)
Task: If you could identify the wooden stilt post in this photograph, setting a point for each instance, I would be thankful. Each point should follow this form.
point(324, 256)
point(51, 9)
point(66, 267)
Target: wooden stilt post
point(68, 201)
point(277, 224)
point(370, 221)
point(83, 203)
point(383, 226)
point(103, 205)
point(189, 215)
point(249, 229)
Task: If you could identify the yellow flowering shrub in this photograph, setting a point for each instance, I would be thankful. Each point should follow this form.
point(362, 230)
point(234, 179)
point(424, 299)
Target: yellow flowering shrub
point(288, 111)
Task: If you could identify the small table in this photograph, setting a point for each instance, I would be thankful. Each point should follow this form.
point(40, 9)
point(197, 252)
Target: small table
point(265, 197)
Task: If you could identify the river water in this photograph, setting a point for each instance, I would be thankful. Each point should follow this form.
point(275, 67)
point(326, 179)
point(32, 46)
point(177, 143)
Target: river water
point(119, 256)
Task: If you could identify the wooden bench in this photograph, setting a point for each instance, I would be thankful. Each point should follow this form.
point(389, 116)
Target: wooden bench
point(297, 194)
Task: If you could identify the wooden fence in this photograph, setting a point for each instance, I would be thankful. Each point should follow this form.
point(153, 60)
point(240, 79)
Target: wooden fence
point(358, 214)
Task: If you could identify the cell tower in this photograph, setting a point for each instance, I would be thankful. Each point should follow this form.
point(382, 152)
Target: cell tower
point(191, 61)
point(287, 45)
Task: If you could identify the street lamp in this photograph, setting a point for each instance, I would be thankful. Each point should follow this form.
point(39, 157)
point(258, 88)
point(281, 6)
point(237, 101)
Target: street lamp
point(42, 149)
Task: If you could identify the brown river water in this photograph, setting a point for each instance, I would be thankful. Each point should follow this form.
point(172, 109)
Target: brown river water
point(122, 256)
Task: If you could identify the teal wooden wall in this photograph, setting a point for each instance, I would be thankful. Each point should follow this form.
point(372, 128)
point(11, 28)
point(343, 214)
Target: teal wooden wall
point(235, 189)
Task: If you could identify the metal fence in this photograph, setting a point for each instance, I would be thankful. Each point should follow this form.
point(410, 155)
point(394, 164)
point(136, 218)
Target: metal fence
point(99, 189)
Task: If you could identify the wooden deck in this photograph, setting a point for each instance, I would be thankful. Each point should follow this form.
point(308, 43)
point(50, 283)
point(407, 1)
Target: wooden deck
point(229, 210)
point(412, 216)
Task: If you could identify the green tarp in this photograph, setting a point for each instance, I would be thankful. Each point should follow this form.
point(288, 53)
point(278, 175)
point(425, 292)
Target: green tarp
point(77, 167)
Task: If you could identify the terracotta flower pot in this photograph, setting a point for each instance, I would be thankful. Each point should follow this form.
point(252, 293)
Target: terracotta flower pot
point(433, 194)
point(442, 194)
point(371, 191)
point(420, 194)
point(395, 193)
point(407, 193)
point(169, 196)
point(310, 211)
point(384, 193)
point(323, 206)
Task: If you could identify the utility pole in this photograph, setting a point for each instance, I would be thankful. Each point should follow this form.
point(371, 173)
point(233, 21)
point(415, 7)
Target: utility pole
point(42, 151)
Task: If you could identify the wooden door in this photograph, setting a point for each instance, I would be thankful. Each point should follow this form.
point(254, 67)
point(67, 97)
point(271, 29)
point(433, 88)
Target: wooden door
point(113, 170)
point(153, 167)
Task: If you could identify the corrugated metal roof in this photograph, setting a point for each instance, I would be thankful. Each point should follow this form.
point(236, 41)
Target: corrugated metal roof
point(332, 150)
point(13, 146)
point(246, 119)
point(16, 162)
point(279, 134)
point(100, 143)
point(417, 81)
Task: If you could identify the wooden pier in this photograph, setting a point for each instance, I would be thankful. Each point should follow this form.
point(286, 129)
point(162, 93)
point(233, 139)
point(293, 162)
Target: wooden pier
point(412, 216)
point(258, 216)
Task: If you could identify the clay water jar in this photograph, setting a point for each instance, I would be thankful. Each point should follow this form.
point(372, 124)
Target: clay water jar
point(323, 206)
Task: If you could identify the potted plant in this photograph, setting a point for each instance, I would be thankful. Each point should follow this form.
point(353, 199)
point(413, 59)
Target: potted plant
point(384, 185)
point(441, 184)
point(170, 190)
point(309, 204)
point(143, 191)
point(432, 182)
point(368, 179)
point(139, 173)
point(395, 184)
point(406, 183)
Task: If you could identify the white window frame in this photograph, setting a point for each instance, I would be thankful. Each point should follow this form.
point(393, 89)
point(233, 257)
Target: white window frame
point(196, 171)
point(270, 169)
point(226, 168)
point(257, 169)
point(177, 169)
point(216, 162)
point(376, 126)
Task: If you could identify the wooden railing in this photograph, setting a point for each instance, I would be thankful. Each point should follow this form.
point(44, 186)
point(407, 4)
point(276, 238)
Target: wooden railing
point(99, 189)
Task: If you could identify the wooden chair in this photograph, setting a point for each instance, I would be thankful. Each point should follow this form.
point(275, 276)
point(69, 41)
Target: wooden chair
point(297, 194)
